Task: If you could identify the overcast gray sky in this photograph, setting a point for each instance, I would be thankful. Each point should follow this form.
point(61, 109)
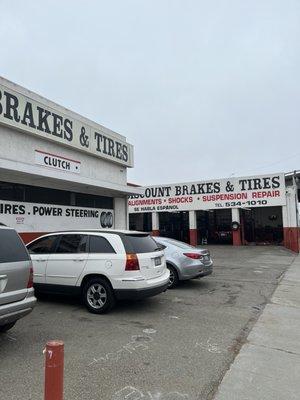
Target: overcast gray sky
point(202, 89)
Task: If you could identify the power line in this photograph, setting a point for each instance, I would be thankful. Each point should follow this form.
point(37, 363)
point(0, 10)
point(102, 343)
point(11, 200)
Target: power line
point(270, 164)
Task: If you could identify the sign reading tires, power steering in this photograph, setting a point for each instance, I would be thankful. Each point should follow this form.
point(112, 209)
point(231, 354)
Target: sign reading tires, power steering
point(35, 217)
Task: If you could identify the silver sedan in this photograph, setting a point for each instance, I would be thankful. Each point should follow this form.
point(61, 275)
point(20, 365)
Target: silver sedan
point(185, 261)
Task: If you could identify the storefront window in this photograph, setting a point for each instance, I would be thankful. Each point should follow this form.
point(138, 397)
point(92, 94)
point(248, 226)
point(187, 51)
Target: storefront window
point(34, 194)
point(11, 191)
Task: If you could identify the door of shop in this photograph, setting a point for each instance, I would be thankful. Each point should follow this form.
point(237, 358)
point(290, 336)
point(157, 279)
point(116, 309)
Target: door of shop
point(174, 225)
point(214, 227)
point(140, 222)
point(262, 225)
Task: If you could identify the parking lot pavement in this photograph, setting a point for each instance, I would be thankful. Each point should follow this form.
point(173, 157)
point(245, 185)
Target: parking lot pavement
point(177, 345)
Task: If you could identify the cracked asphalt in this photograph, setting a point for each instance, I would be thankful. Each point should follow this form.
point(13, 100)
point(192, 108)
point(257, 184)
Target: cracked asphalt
point(177, 345)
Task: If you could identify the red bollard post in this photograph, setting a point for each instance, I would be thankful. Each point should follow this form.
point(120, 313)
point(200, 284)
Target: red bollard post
point(54, 370)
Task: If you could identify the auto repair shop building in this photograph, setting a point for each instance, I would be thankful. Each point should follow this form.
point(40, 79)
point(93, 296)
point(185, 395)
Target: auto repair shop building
point(247, 210)
point(58, 170)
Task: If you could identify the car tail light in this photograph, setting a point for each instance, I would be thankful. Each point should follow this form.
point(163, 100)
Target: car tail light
point(195, 256)
point(30, 279)
point(132, 262)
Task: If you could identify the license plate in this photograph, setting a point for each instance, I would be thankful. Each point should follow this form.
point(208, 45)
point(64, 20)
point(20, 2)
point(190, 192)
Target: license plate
point(157, 261)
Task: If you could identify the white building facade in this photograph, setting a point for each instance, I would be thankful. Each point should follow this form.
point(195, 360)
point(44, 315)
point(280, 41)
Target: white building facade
point(58, 170)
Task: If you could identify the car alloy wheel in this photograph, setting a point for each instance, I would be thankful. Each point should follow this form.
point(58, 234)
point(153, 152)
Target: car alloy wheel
point(173, 279)
point(96, 296)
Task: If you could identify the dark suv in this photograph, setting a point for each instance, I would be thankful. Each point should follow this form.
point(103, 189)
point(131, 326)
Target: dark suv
point(16, 279)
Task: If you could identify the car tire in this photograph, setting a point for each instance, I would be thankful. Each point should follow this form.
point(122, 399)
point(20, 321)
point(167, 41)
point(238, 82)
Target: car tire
point(173, 280)
point(5, 328)
point(98, 296)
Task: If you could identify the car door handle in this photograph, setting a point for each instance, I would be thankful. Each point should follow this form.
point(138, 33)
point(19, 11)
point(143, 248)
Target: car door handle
point(41, 260)
point(78, 259)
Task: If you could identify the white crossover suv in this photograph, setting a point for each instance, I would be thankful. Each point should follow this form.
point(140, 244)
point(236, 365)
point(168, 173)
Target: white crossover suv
point(100, 265)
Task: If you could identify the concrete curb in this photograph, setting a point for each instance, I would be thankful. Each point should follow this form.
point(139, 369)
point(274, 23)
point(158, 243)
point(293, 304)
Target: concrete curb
point(268, 366)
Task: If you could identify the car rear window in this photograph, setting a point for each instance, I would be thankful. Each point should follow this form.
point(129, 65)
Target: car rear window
point(99, 244)
point(12, 249)
point(139, 244)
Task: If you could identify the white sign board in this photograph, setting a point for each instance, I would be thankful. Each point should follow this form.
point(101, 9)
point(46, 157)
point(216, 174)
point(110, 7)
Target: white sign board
point(34, 217)
point(245, 192)
point(57, 162)
point(30, 116)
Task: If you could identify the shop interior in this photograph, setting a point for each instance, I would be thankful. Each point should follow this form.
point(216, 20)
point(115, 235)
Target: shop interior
point(262, 225)
point(259, 226)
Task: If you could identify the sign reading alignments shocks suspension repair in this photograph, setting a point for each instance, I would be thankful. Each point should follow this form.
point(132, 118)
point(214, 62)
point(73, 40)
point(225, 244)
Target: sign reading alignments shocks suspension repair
point(254, 191)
